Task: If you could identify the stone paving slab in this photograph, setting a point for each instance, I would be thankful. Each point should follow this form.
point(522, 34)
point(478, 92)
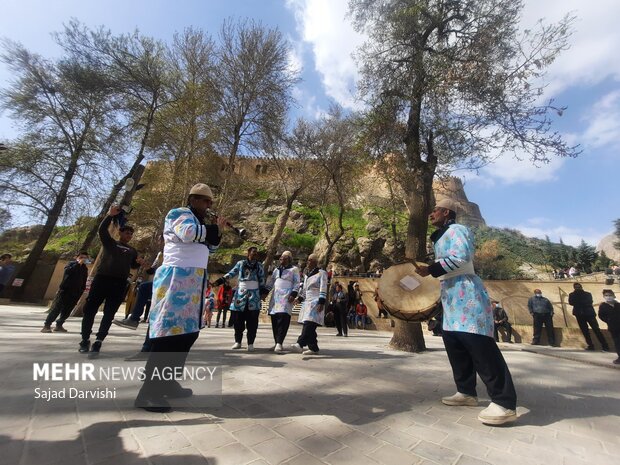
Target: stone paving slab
point(358, 402)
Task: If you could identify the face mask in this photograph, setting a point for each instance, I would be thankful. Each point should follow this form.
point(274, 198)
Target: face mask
point(609, 298)
point(538, 295)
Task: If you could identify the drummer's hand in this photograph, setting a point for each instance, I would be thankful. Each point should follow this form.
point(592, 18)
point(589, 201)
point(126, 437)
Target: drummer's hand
point(422, 270)
point(320, 307)
point(291, 299)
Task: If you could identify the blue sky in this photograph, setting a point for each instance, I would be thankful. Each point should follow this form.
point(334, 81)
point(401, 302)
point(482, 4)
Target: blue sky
point(567, 198)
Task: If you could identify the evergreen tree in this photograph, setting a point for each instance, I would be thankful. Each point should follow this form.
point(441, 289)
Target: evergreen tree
point(585, 256)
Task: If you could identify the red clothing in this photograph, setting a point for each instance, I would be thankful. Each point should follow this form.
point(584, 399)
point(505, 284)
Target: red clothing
point(361, 309)
point(224, 297)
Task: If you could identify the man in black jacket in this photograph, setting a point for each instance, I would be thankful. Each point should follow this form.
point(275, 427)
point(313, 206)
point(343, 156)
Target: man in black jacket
point(584, 312)
point(500, 320)
point(71, 287)
point(609, 312)
point(110, 282)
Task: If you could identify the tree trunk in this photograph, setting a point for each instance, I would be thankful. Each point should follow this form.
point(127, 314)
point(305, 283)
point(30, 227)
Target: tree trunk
point(78, 310)
point(276, 235)
point(50, 223)
point(408, 337)
point(119, 185)
point(232, 157)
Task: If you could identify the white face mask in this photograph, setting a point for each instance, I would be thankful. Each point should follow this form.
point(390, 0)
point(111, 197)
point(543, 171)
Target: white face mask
point(538, 295)
point(609, 298)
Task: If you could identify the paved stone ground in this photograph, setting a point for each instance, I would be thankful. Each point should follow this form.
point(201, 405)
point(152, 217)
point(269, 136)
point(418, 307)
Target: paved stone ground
point(359, 402)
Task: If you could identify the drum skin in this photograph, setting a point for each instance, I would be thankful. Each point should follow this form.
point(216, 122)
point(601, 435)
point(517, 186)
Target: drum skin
point(417, 305)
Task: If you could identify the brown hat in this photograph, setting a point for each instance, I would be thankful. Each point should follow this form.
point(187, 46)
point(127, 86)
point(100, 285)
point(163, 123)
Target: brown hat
point(201, 189)
point(537, 290)
point(448, 204)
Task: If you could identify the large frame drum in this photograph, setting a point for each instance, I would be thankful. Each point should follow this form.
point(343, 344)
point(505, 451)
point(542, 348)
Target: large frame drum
point(419, 304)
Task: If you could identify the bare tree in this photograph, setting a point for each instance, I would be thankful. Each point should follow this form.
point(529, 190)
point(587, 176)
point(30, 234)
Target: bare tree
point(337, 151)
point(295, 168)
point(255, 82)
point(64, 110)
point(137, 67)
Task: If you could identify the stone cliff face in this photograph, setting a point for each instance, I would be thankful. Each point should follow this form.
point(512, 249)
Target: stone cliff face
point(607, 245)
point(453, 188)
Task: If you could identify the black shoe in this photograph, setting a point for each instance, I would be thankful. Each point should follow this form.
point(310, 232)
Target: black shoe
point(177, 391)
point(339, 334)
point(605, 349)
point(152, 404)
point(127, 323)
point(84, 346)
point(59, 329)
point(94, 350)
point(590, 348)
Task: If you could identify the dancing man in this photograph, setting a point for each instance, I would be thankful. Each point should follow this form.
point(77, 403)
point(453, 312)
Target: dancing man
point(312, 315)
point(468, 320)
point(246, 302)
point(285, 286)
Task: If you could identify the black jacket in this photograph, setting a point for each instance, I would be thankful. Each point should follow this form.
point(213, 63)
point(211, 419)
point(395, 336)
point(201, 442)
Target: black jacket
point(581, 302)
point(117, 259)
point(74, 278)
point(610, 314)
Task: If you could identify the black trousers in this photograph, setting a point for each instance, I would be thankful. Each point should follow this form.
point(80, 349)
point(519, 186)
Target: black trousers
point(583, 322)
point(308, 336)
point(507, 327)
point(539, 320)
point(245, 319)
point(167, 353)
point(62, 305)
point(473, 353)
point(108, 289)
point(615, 335)
point(219, 313)
point(280, 323)
point(340, 317)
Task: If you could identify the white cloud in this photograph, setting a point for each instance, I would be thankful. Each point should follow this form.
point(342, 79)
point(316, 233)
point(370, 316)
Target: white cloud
point(592, 56)
point(534, 227)
point(603, 122)
point(507, 169)
point(323, 25)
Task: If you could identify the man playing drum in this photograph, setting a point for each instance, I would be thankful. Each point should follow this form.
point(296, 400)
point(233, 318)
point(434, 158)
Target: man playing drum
point(468, 320)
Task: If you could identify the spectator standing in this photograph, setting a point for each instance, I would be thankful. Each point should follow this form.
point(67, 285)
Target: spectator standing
point(541, 310)
point(71, 288)
point(583, 310)
point(143, 299)
point(339, 305)
point(609, 312)
point(7, 268)
point(224, 298)
point(500, 320)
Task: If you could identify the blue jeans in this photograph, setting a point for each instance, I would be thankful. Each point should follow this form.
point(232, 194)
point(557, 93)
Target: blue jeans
point(145, 293)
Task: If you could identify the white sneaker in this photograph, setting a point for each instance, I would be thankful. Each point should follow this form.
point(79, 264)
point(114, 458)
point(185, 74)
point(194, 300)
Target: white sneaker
point(459, 399)
point(250, 347)
point(309, 352)
point(236, 345)
point(497, 415)
point(297, 348)
point(278, 348)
